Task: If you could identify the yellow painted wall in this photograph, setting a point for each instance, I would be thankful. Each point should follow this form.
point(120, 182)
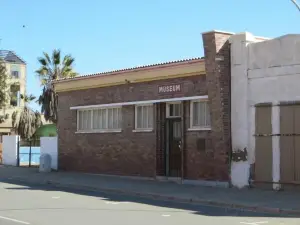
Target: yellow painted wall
point(22, 81)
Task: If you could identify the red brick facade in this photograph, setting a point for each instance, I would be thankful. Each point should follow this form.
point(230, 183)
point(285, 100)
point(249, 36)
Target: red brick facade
point(142, 153)
point(217, 66)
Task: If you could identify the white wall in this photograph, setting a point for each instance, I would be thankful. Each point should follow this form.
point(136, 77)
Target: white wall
point(49, 146)
point(10, 150)
point(261, 72)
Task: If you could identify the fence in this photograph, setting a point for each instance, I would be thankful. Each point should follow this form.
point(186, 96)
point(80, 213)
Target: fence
point(29, 152)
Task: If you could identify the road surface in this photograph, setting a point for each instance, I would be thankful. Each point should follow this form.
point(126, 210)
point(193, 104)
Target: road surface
point(41, 205)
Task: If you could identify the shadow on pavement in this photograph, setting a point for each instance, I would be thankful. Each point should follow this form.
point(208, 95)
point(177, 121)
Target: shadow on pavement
point(197, 209)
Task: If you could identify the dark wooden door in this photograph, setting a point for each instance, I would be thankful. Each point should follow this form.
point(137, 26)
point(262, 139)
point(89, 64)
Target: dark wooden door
point(174, 143)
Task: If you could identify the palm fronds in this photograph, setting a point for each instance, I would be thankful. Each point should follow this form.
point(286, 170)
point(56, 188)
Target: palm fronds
point(26, 121)
point(53, 68)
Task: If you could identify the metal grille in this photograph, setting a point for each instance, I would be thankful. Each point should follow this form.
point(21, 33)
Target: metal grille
point(29, 153)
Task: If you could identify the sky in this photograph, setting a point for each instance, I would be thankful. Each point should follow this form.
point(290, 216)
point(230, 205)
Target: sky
point(106, 35)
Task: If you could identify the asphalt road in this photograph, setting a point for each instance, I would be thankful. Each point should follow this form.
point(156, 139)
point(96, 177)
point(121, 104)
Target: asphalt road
point(41, 205)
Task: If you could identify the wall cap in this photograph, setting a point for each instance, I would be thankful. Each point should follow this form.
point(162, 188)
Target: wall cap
point(218, 31)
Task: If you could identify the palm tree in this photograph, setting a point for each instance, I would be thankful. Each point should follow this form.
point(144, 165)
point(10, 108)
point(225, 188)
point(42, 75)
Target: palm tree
point(53, 69)
point(27, 121)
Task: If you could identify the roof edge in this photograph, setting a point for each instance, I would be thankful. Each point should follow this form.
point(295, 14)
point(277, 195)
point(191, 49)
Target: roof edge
point(22, 61)
point(133, 69)
point(262, 38)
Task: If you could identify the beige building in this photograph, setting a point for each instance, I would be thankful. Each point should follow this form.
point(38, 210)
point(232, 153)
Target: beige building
point(16, 70)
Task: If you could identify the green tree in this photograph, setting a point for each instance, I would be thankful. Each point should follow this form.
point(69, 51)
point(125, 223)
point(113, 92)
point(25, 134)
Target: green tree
point(3, 90)
point(53, 68)
point(26, 121)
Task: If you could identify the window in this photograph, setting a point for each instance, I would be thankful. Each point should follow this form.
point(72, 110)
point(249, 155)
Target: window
point(15, 95)
point(15, 74)
point(144, 117)
point(103, 119)
point(174, 109)
point(84, 120)
point(15, 71)
point(200, 115)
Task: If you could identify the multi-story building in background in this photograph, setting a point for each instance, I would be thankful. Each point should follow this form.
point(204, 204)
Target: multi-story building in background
point(16, 70)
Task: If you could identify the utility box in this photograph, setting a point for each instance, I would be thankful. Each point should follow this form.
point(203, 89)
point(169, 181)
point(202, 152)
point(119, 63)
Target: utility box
point(45, 163)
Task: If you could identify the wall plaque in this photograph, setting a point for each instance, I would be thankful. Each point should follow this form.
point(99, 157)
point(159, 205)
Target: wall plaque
point(169, 88)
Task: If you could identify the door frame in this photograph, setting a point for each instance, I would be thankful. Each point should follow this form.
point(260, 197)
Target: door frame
point(167, 143)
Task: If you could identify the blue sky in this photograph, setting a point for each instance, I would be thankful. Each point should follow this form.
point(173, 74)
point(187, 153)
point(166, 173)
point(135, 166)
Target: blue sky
point(107, 35)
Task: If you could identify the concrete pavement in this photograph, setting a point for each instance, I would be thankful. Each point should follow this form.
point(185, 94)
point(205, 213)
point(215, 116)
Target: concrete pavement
point(254, 199)
point(42, 205)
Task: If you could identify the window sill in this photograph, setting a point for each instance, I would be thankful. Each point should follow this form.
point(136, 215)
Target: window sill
point(199, 128)
point(98, 131)
point(145, 130)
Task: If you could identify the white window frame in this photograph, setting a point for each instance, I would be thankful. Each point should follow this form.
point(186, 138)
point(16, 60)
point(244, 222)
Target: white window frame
point(168, 109)
point(107, 130)
point(136, 129)
point(192, 127)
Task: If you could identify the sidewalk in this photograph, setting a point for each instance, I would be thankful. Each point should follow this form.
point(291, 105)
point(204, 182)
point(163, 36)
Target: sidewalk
point(251, 199)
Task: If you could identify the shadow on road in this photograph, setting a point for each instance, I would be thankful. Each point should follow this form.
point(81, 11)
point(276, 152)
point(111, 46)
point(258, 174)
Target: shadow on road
point(198, 209)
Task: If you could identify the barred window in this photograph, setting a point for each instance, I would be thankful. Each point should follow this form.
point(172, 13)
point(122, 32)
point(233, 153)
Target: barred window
point(84, 120)
point(200, 114)
point(144, 117)
point(102, 119)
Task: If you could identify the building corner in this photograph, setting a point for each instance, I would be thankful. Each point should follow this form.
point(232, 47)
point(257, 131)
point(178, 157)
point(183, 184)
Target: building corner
point(217, 65)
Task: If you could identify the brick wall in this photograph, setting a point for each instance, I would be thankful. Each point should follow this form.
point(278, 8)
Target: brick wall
point(206, 153)
point(217, 66)
point(125, 153)
point(199, 163)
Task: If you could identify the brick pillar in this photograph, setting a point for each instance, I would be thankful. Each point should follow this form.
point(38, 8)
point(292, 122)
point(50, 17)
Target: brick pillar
point(217, 66)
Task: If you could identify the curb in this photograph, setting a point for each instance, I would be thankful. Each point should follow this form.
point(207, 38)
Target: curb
point(164, 197)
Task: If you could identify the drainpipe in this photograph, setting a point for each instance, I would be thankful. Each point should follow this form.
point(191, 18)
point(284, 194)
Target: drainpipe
point(182, 106)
